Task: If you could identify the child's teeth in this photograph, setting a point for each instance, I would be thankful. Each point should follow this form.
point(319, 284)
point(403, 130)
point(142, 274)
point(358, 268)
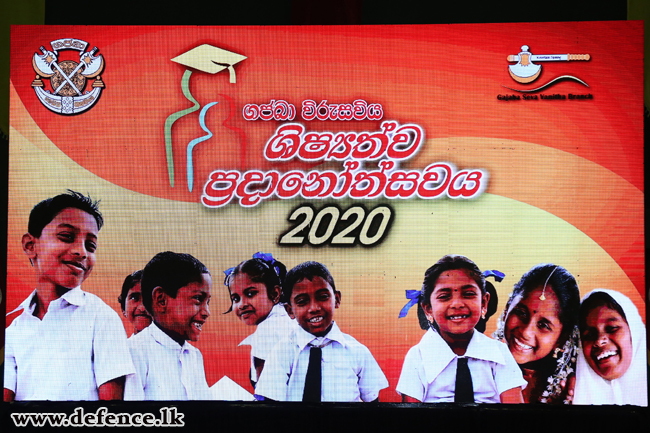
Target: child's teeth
point(522, 345)
point(316, 319)
point(606, 354)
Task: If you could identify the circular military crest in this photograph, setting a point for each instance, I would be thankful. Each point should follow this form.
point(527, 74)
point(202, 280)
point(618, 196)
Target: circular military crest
point(68, 78)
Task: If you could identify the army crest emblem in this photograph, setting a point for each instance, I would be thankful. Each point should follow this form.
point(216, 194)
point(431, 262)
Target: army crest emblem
point(68, 78)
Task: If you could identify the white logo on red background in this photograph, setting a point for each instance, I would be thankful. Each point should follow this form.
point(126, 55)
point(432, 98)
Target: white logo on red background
point(526, 70)
point(67, 77)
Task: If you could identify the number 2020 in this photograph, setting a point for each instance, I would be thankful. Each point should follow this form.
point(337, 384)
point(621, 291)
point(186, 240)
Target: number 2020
point(332, 226)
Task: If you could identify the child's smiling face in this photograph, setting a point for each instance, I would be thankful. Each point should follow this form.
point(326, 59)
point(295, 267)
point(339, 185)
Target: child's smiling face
point(456, 304)
point(64, 254)
point(607, 342)
point(134, 309)
point(250, 300)
point(533, 326)
point(312, 304)
point(183, 317)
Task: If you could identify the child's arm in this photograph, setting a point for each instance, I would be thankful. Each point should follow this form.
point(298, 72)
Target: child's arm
point(10, 367)
point(111, 355)
point(407, 399)
point(371, 378)
point(272, 383)
point(412, 379)
point(508, 377)
point(9, 395)
point(512, 396)
point(112, 390)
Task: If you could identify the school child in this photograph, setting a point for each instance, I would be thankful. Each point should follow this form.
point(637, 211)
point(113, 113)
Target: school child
point(318, 362)
point(452, 362)
point(612, 366)
point(539, 324)
point(255, 286)
point(176, 292)
point(66, 344)
point(131, 302)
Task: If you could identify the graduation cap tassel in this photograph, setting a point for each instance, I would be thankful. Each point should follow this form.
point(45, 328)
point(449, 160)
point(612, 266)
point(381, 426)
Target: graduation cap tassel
point(233, 79)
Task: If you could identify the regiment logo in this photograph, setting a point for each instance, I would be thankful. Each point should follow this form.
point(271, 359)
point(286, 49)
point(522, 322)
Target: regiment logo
point(526, 70)
point(67, 77)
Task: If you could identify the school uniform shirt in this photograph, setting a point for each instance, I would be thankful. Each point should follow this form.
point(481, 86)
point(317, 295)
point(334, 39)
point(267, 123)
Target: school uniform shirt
point(429, 370)
point(349, 371)
point(79, 345)
point(165, 370)
point(276, 327)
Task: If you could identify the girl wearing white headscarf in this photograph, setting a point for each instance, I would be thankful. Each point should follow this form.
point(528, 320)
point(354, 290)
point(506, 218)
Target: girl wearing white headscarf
point(612, 364)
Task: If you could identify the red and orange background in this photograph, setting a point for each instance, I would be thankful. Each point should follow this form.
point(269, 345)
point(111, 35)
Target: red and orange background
point(565, 176)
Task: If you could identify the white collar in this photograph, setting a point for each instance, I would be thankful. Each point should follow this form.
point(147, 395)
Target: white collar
point(303, 338)
point(73, 296)
point(437, 354)
point(278, 311)
point(165, 340)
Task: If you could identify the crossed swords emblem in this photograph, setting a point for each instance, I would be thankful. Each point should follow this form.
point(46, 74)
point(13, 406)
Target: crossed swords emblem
point(67, 77)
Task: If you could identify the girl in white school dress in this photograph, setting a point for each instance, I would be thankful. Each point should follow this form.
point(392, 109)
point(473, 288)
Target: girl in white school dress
point(453, 362)
point(255, 286)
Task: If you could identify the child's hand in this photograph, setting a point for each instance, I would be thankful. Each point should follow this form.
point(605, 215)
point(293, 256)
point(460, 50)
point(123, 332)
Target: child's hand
point(568, 386)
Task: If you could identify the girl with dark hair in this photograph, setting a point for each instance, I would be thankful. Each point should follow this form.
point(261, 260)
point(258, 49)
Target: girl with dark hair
point(255, 287)
point(539, 325)
point(452, 362)
point(612, 366)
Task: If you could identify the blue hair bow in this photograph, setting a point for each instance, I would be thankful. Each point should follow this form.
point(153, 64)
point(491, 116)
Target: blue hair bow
point(228, 272)
point(268, 259)
point(498, 276)
point(414, 297)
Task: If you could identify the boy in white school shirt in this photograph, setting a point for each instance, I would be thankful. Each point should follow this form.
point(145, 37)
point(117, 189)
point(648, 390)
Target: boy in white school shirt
point(66, 344)
point(318, 362)
point(176, 291)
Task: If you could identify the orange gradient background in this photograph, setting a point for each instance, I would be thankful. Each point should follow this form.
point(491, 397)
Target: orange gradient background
point(565, 176)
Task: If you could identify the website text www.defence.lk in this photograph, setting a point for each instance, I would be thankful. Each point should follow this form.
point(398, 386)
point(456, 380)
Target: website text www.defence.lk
point(169, 417)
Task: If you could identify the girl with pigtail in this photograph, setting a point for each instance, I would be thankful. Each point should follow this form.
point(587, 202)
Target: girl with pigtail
point(255, 286)
point(540, 327)
point(453, 362)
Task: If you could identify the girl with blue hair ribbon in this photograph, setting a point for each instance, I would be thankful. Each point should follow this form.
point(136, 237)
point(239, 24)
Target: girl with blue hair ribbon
point(452, 362)
point(255, 286)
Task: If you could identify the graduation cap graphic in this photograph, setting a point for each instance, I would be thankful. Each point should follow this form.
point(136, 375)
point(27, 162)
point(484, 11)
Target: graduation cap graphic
point(204, 58)
point(212, 60)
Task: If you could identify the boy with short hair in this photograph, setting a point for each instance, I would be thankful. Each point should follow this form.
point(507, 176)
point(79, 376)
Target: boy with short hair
point(318, 362)
point(66, 344)
point(176, 292)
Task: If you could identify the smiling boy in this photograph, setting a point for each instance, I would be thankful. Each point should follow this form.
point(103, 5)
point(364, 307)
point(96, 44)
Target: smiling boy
point(320, 362)
point(66, 344)
point(176, 291)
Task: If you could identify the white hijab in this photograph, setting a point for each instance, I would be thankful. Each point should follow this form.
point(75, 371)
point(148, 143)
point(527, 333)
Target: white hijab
point(632, 387)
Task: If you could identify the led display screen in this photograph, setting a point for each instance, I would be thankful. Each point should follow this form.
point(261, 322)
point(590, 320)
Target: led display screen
point(509, 156)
